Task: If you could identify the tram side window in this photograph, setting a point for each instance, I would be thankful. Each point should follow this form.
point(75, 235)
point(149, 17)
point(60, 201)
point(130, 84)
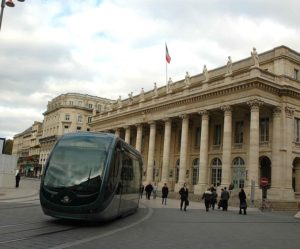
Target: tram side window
point(113, 174)
point(130, 174)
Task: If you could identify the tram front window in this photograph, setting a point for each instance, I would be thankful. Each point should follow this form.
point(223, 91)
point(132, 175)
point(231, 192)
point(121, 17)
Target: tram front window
point(77, 164)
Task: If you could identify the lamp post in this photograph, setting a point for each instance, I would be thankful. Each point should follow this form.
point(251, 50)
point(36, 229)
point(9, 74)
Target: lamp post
point(9, 3)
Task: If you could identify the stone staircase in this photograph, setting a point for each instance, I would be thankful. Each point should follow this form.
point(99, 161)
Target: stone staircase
point(285, 205)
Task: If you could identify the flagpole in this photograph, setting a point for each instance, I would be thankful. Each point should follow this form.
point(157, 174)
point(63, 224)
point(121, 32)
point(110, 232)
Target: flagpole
point(166, 72)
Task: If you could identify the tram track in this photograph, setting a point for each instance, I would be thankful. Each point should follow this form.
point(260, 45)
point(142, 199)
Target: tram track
point(30, 230)
point(19, 206)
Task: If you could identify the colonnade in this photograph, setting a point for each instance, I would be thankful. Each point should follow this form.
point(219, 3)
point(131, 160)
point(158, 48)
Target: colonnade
point(253, 149)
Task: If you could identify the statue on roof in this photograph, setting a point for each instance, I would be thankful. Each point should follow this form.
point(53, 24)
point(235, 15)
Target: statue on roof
point(255, 57)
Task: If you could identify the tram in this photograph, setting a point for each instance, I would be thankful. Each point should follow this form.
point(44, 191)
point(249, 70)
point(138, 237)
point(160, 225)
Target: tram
point(91, 176)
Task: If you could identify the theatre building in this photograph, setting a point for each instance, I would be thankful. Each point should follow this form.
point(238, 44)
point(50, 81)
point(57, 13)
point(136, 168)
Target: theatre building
point(231, 125)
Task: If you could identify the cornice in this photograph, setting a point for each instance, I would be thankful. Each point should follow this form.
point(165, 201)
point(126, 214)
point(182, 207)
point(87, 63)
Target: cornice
point(199, 96)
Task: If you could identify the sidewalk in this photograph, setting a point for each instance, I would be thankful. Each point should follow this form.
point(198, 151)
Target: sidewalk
point(28, 187)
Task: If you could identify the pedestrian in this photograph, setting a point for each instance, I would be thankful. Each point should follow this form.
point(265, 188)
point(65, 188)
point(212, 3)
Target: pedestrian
point(243, 202)
point(154, 191)
point(142, 191)
point(165, 192)
point(225, 197)
point(148, 190)
point(214, 197)
point(207, 198)
point(184, 195)
point(220, 203)
point(18, 177)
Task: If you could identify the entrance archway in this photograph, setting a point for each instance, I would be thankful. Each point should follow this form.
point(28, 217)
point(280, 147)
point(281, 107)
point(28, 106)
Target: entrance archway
point(265, 168)
point(296, 175)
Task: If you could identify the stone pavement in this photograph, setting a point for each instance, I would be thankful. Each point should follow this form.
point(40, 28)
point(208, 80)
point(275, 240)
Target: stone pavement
point(28, 187)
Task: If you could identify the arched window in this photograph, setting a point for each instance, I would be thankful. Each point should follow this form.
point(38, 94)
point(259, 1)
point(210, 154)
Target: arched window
point(216, 172)
point(177, 171)
point(238, 172)
point(195, 171)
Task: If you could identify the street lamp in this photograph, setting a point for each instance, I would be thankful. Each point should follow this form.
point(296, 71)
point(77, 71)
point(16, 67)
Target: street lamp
point(9, 3)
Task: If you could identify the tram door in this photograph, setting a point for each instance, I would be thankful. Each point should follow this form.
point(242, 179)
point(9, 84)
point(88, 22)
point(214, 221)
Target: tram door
point(130, 181)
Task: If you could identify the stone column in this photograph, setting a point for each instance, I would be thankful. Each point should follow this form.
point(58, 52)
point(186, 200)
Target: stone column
point(150, 164)
point(203, 157)
point(166, 152)
point(227, 138)
point(183, 149)
point(276, 158)
point(117, 132)
point(289, 132)
point(254, 142)
point(139, 132)
point(127, 134)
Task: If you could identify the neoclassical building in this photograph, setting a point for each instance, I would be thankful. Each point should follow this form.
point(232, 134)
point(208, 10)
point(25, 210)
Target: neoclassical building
point(27, 147)
point(231, 125)
point(70, 112)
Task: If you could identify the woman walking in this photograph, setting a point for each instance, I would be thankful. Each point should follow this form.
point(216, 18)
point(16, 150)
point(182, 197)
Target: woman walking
point(243, 203)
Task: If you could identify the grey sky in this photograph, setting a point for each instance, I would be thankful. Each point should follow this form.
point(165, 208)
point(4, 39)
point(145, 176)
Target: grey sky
point(112, 47)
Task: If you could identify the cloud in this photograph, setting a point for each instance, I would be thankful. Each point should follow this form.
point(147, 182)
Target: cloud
point(112, 47)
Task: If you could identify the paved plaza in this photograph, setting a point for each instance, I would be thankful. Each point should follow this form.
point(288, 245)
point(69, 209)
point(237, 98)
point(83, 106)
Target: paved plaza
point(154, 226)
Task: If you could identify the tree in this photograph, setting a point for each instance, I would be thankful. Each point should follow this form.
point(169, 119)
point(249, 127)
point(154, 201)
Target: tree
point(8, 147)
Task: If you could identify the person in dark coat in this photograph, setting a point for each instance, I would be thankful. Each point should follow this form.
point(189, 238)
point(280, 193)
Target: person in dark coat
point(184, 195)
point(214, 197)
point(243, 202)
point(165, 192)
point(207, 198)
point(148, 190)
point(18, 177)
point(225, 197)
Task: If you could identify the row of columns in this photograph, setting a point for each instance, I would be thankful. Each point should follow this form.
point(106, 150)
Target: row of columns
point(253, 160)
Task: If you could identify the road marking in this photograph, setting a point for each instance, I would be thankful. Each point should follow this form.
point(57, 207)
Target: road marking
point(78, 242)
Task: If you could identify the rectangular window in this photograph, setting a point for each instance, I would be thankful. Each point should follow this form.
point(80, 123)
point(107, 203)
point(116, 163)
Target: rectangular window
point(296, 74)
point(239, 132)
point(79, 119)
point(89, 119)
point(70, 102)
point(264, 129)
point(217, 135)
point(297, 130)
point(67, 117)
point(91, 106)
point(78, 128)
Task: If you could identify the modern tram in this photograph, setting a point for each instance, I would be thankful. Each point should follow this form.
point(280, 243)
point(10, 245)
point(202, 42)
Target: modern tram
point(91, 176)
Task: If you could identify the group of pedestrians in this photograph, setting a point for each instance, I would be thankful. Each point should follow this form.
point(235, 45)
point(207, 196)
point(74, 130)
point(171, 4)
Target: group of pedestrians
point(152, 189)
point(210, 197)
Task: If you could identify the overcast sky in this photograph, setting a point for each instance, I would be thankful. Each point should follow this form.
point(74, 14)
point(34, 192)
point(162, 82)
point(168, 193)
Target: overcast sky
point(112, 47)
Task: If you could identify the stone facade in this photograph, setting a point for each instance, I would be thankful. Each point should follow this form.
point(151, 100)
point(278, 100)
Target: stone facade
point(27, 147)
point(70, 112)
point(222, 128)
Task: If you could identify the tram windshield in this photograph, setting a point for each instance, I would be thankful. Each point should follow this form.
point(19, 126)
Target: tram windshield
point(77, 163)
